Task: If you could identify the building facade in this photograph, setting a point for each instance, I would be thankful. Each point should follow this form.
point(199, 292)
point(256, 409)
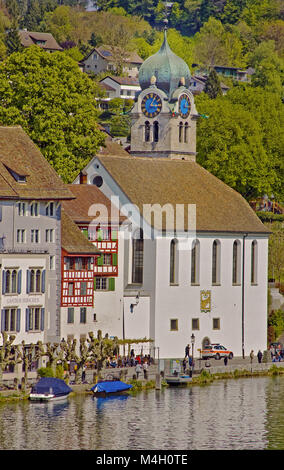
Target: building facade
point(30, 243)
point(104, 58)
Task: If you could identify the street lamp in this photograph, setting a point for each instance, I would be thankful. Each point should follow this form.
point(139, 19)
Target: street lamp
point(192, 346)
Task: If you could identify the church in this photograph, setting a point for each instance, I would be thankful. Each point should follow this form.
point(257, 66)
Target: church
point(193, 253)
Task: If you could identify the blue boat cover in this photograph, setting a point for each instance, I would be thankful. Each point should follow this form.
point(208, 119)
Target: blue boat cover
point(51, 385)
point(111, 386)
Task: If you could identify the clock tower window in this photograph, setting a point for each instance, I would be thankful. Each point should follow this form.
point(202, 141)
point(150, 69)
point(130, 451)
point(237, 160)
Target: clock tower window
point(186, 132)
point(180, 131)
point(156, 131)
point(147, 131)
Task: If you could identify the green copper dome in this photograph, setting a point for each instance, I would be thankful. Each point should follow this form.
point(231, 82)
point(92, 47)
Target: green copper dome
point(169, 69)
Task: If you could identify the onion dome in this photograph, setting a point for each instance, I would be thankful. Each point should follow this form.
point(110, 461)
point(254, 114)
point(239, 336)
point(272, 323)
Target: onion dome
point(170, 70)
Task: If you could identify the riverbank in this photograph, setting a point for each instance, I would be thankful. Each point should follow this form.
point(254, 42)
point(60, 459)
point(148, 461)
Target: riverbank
point(200, 378)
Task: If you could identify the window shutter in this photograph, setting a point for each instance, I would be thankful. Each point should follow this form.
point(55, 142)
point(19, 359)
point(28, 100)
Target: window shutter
point(28, 281)
point(114, 259)
point(27, 319)
point(43, 281)
point(4, 282)
point(99, 235)
point(19, 281)
point(114, 235)
point(42, 320)
point(18, 323)
point(95, 283)
point(111, 283)
point(100, 260)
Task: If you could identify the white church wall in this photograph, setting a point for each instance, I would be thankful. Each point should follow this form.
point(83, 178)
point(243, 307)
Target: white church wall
point(182, 301)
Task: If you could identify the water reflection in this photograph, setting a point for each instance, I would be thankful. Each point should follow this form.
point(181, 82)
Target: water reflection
point(233, 414)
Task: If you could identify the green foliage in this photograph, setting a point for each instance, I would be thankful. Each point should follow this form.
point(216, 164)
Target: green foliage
point(45, 372)
point(55, 103)
point(213, 86)
point(276, 252)
point(12, 39)
point(270, 217)
point(276, 320)
point(238, 144)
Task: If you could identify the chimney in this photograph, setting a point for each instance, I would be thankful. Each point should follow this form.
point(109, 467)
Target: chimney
point(83, 178)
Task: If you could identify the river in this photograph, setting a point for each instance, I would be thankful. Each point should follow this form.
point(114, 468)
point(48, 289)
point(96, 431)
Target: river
point(228, 415)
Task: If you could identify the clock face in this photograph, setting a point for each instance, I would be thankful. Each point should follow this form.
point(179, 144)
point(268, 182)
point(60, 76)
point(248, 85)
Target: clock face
point(184, 105)
point(151, 105)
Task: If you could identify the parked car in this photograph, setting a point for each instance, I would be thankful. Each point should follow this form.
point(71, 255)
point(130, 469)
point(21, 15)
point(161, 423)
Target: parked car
point(216, 350)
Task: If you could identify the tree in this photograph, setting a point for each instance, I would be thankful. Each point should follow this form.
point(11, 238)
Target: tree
point(55, 103)
point(213, 86)
point(276, 252)
point(12, 40)
point(230, 145)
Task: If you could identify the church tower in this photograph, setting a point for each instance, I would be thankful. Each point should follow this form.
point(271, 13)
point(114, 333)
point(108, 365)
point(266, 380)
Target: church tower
point(164, 115)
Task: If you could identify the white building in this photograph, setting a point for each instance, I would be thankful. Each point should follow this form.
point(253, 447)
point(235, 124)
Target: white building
point(30, 243)
point(120, 87)
point(202, 269)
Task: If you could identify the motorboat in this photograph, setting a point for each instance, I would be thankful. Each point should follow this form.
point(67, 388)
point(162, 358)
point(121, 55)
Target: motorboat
point(178, 379)
point(110, 387)
point(49, 389)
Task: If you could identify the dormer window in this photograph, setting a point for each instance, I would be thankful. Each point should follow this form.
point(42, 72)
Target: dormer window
point(17, 177)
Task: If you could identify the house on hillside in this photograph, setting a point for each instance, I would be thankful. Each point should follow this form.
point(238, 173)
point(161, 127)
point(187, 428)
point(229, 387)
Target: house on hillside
point(119, 87)
point(198, 82)
point(44, 40)
point(230, 72)
point(101, 59)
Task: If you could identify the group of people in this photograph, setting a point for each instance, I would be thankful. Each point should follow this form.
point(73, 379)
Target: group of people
point(129, 361)
point(277, 355)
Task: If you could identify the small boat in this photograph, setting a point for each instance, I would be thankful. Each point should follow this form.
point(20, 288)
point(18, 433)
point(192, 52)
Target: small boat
point(107, 387)
point(178, 379)
point(49, 389)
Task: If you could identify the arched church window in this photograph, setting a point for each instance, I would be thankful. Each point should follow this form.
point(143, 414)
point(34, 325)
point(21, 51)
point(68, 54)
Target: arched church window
point(156, 131)
point(236, 262)
point(195, 261)
point(216, 262)
point(186, 132)
point(137, 257)
point(180, 131)
point(254, 262)
point(173, 262)
point(147, 131)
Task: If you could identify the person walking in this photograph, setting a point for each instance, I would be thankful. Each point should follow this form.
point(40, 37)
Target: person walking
point(259, 356)
point(251, 356)
point(187, 349)
point(225, 360)
point(138, 370)
point(145, 369)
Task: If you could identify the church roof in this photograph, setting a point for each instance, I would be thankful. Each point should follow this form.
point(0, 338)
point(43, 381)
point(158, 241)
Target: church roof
point(162, 181)
point(167, 67)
